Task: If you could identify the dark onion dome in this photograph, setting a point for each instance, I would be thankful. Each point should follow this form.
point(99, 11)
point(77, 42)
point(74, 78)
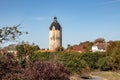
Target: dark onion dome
point(56, 24)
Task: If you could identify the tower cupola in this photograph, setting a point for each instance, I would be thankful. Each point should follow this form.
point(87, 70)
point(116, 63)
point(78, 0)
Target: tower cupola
point(55, 24)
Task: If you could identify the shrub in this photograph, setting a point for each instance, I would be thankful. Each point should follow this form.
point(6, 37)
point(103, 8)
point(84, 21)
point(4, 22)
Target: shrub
point(105, 63)
point(39, 56)
point(45, 71)
point(92, 59)
point(9, 68)
point(73, 62)
point(59, 49)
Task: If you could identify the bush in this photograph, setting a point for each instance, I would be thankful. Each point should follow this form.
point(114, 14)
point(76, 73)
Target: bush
point(9, 68)
point(39, 56)
point(105, 63)
point(73, 62)
point(59, 49)
point(92, 59)
point(45, 71)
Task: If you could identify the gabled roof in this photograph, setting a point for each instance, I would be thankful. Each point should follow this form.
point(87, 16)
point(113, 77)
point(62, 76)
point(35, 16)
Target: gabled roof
point(101, 45)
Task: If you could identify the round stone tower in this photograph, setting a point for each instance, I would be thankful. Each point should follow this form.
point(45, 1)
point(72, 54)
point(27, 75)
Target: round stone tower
point(55, 35)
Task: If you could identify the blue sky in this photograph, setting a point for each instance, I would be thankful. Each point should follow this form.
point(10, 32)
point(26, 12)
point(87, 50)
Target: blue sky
point(81, 20)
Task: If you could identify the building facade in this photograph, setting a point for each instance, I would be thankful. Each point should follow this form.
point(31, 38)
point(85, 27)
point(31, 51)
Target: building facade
point(99, 47)
point(55, 35)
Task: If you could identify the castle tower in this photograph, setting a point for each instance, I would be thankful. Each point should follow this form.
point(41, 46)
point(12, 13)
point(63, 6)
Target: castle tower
point(55, 35)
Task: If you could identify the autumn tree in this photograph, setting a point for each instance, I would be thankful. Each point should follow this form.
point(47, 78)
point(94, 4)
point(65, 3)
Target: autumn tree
point(99, 40)
point(87, 45)
point(110, 48)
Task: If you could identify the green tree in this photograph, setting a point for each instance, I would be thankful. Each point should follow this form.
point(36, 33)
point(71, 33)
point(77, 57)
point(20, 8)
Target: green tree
point(69, 47)
point(25, 50)
point(10, 33)
point(116, 56)
point(20, 52)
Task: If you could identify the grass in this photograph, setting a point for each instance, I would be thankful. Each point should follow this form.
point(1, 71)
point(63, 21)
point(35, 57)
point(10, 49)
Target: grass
point(107, 75)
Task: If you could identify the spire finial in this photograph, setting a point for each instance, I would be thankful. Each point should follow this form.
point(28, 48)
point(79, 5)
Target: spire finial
point(55, 17)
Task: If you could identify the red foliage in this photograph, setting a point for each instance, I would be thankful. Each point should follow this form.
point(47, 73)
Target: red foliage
point(9, 68)
point(45, 71)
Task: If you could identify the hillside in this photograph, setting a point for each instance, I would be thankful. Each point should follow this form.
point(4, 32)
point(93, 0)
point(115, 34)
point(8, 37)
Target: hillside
point(107, 75)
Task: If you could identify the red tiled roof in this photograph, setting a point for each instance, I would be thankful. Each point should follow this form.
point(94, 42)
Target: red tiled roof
point(78, 48)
